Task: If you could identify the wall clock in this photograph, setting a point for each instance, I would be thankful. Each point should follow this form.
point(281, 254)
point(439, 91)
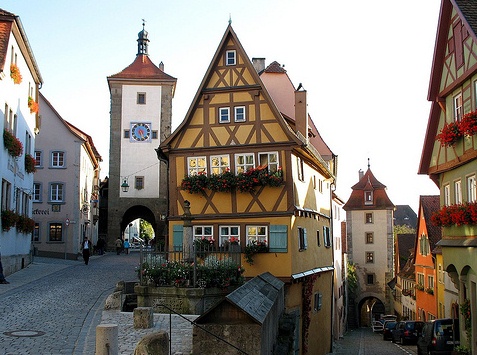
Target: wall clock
point(141, 132)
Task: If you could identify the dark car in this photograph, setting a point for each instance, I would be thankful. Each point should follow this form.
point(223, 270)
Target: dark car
point(439, 336)
point(407, 332)
point(388, 327)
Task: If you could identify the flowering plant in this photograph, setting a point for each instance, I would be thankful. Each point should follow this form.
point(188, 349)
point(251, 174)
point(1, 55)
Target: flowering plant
point(248, 180)
point(465, 311)
point(459, 214)
point(195, 183)
point(30, 163)
point(15, 73)
point(222, 182)
point(449, 135)
point(254, 247)
point(468, 124)
point(233, 240)
point(25, 224)
point(33, 105)
point(9, 219)
point(12, 144)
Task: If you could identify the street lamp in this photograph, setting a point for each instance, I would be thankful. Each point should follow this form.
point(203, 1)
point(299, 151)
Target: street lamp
point(125, 185)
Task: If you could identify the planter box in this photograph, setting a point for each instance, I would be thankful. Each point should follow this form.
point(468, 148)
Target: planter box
point(183, 300)
point(460, 231)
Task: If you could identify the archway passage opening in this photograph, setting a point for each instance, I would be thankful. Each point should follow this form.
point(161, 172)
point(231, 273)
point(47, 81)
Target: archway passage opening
point(139, 227)
point(370, 309)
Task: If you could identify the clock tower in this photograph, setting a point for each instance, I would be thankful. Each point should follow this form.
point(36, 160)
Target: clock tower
point(140, 119)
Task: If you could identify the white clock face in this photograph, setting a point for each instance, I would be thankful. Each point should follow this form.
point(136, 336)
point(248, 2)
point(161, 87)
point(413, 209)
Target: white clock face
point(140, 132)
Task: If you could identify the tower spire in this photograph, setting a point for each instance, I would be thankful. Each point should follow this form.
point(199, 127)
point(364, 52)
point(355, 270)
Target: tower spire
point(142, 40)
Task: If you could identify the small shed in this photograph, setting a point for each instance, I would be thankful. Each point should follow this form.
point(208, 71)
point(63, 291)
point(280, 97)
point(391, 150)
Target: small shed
point(246, 321)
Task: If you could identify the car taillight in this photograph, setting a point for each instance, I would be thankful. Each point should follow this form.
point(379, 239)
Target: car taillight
point(434, 341)
point(407, 333)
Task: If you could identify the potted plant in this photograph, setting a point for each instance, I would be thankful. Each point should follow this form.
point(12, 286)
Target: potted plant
point(9, 219)
point(449, 134)
point(15, 74)
point(33, 105)
point(30, 163)
point(468, 124)
point(222, 182)
point(253, 248)
point(195, 183)
point(12, 144)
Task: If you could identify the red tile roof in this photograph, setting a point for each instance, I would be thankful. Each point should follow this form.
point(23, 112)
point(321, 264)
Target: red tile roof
point(143, 68)
point(6, 21)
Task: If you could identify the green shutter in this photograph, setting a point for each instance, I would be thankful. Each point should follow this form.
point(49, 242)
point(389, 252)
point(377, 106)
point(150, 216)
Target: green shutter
point(278, 241)
point(177, 233)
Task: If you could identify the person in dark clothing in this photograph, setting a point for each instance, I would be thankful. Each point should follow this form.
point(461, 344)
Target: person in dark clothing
point(3, 280)
point(101, 245)
point(86, 246)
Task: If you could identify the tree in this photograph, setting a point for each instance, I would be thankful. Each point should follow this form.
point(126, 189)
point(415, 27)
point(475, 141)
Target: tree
point(146, 231)
point(403, 229)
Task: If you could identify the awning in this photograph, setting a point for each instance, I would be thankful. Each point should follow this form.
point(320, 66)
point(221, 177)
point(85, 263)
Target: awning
point(312, 272)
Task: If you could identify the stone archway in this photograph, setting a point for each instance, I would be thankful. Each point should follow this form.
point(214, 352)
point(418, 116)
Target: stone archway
point(142, 212)
point(369, 309)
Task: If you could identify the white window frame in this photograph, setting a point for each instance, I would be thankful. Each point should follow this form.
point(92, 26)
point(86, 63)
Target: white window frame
point(259, 233)
point(458, 192)
point(231, 57)
point(368, 197)
point(430, 281)
point(471, 189)
point(248, 162)
point(270, 159)
point(57, 190)
point(239, 114)
point(38, 158)
point(224, 114)
point(36, 193)
point(300, 169)
point(57, 159)
point(447, 195)
point(458, 107)
point(327, 237)
point(196, 165)
point(203, 231)
point(227, 232)
point(420, 279)
point(219, 164)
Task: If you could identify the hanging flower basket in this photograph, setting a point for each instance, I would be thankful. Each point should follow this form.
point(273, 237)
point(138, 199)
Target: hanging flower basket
point(12, 144)
point(32, 105)
point(468, 124)
point(30, 163)
point(15, 74)
point(9, 219)
point(461, 214)
point(450, 134)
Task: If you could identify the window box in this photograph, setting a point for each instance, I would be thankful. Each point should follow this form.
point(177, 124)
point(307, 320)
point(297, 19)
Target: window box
point(461, 214)
point(30, 164)
point(253, 248)
point(15, 74)
point(9, 219)
point(12, 144)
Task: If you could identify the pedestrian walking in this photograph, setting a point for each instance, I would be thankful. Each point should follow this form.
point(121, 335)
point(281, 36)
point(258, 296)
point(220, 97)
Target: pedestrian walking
point(119, 245)
point(126, 246)
point(3, 280)
point(101, 244)
point(86, 246)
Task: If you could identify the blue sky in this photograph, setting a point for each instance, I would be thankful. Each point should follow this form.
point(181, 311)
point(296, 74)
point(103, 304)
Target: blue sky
point(365, 65)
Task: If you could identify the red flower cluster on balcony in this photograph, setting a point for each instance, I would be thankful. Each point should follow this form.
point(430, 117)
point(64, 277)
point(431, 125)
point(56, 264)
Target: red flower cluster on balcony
point(461, 214)
point(12, 144)
point(453, 131)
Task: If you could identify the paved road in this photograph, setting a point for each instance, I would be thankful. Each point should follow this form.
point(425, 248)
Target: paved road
point(363, 341)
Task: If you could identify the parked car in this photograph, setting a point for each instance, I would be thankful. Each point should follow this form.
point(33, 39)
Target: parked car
point(377, 326)
point(407, 332)
point(388, 327)
point(439, 336)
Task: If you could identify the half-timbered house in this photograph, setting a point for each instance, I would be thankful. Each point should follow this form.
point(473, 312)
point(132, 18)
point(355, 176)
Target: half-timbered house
point(255, 170)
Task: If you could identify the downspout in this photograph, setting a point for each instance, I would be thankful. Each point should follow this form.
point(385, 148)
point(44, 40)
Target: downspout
point(332, 188)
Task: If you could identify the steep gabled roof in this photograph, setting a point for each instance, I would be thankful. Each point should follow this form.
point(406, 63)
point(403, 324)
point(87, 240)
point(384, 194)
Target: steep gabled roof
point(405, 248)
point(142, 68)
point(431, 204)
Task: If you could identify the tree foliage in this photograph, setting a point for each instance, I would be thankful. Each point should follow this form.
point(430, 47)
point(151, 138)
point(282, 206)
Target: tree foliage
point(403, 229)
point(352, 278)
point(146, 231)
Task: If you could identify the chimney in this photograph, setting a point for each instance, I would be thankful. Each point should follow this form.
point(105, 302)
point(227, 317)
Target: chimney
point(258, 64)
point(361, 174)
point(301, 115)
point(161, 66)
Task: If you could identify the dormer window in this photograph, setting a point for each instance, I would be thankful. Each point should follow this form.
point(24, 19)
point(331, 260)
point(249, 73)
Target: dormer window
point(230, 57)
point(368, 197)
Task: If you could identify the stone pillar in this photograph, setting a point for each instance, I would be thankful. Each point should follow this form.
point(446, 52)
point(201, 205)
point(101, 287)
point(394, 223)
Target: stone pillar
point(107, 339)
point(187, 237)
point(143, 318)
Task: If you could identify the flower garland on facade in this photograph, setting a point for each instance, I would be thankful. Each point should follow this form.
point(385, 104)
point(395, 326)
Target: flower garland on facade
point(244, 182)
point(9, 219)
point(30, 163)
point(460, 214)
point(308, 283)
point(453, 131)
point(33, 105)
point(15, 74)
point(12, 144)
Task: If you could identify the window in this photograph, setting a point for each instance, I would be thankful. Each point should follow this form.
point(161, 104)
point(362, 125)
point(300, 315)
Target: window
point(6, 194)
point(368, 218)
point(56, 192)
point(127, 133)
point(370, 257)
point(370, 279)
point(317, 301)
point(229, 234)
point(57, 159)
point(196, 165)
point(141, 98)
point(420, 279)
point(318, 238)
point(457, 192)
point(38, 159)
point(36, 233)
point(56, 232)
point(230, 57)
point(471, 189)
point(430, 281)
point(458, 107)
point(239, 114)
point(36, 192)
point(139, 182)
point(257, 233)
point(203, 232)
point(369, 238)
point(27, 149)
point(244, 162)
point(302, 242)
point(154, 134)
point(219, 164)
point(326, 237)
point(224, 115)
point(270, 160)
point(301, 174)
point(447, 195)
point(423, 245)
point(368, 197)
